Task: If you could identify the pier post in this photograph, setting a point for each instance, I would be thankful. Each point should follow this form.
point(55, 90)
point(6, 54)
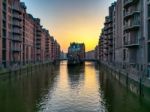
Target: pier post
point(127, 79)
point(141, 87)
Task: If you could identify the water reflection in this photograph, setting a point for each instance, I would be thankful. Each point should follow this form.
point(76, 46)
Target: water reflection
point(76, 75)
point(120, 99)
point(59, 88)
point(76, 90)
point(22, 92)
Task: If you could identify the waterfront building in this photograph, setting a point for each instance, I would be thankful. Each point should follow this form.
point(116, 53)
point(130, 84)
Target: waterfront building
point(47, 46)
point(133, 33)
point(118, 34)
point(11, 32)
point(57, 51)
point(23, 40)
point(146, 17)
point(4, 32)
point(90, 55)
point(38, 40)
point(128, 26)
point(28, 39)
point(54, 49)
point(76, 53)
point(106, 46)
point(1, 27)
point(101, 46)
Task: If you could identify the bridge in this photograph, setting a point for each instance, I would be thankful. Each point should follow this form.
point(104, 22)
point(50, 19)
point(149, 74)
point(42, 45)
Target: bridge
point(83, 60)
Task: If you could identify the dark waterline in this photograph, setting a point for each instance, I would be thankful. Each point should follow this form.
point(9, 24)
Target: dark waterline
point(60, 88)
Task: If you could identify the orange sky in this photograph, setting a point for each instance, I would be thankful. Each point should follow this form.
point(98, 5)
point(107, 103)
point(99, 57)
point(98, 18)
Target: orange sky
point(71, 20)
point(79, 30)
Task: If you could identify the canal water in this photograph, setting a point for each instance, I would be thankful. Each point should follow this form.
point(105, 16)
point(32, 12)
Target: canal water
point(59, 88)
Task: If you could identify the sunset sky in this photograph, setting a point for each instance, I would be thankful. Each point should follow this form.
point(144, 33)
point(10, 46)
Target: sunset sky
point(71, 20)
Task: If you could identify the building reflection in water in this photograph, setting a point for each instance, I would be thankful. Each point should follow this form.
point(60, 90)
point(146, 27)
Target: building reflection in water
point(59, 88)
point(76, 75)
point(118, 97)
point(22, 92)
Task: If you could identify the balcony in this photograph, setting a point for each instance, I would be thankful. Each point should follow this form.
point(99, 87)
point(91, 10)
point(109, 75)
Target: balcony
point(38, 33)
point(38, 30)
point(132, 43)
point(17, 38)
point(131, 14)
point(38, 46)
point(106, 42)
point(110, 32)
point(16, 49)
point(108, 21)
point(16, 9)
point(17, 17)
point(106, 47)
point(16, 31)
point(133, 26)
point(4, 5)
point(4, 17)
point(128, 3)
point(38, 42)
point(38, 52)
point(38, 38)
point(47, 48)
point(17, 24)
point(47, 42)
point(110, 43)
point(4, 25)
point(110, 38)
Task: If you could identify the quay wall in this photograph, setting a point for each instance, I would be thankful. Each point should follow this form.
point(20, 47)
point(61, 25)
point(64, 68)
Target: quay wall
point(138, 86)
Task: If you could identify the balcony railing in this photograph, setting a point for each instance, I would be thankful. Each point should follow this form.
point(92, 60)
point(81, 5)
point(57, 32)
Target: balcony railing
point(132, 43)
point(108, 21)
point(38, 46)
point(38, 52)
point(4, 5)
point(17, 16)
point(129, 2)
point(38, 38)
point(16, 49)
point(16, 31)
point(38, 43)
point(16, 9)
point(38, 30)
point(38, 34)
point(131, 13)
point(110, 43)
point(17, 24)
point(133, 25)
point(4, 17)
point(17, 38)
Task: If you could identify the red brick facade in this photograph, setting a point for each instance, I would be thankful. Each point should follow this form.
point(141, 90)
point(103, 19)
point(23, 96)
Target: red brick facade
point(23, 40)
